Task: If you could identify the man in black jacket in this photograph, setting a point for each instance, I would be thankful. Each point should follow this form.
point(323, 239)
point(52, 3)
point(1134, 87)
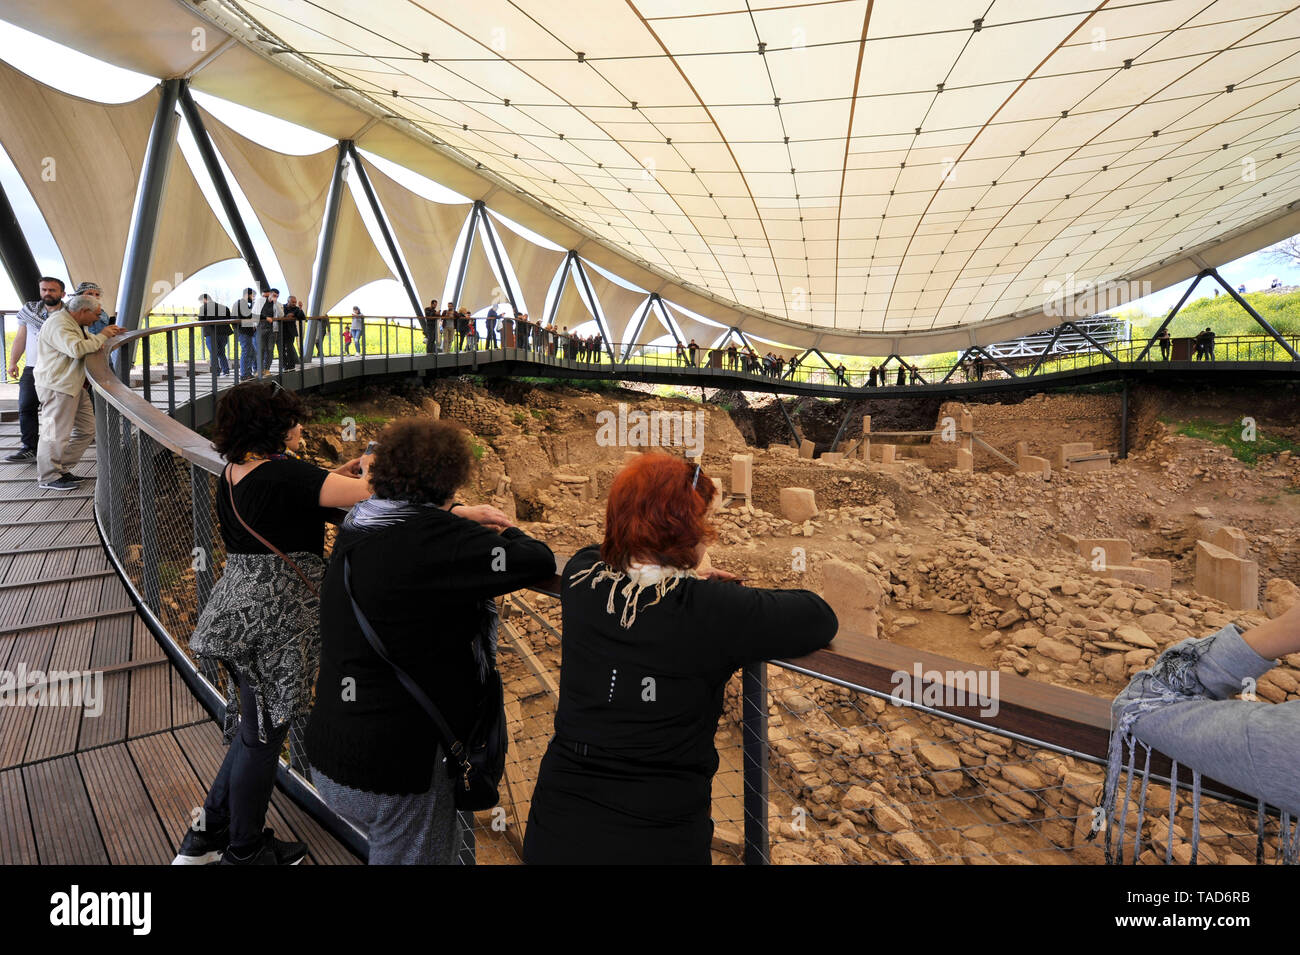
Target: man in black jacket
point(242, 311)
point(215, 337)
point(293, 317)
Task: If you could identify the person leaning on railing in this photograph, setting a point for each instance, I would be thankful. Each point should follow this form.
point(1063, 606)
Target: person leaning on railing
point(1183, 706)
point(650, 642)
point(67, 413)
point(423, 572)
point(261, 622)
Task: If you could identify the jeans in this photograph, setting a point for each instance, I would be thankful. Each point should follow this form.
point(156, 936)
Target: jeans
point(288, 348)
point(29, 407)
point(265, 346)
point(491, 333)
point(359, 339)
point(217, 352)
point(247, 353)
point(242, 790)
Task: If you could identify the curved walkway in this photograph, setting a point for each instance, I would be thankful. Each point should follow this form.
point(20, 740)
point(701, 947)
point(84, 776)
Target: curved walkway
point(116, 782)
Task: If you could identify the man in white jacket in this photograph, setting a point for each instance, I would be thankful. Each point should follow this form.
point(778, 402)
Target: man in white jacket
point(67, 413)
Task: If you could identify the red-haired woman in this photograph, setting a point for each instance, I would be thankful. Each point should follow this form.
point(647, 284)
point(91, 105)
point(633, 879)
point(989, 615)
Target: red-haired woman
point(649, 644)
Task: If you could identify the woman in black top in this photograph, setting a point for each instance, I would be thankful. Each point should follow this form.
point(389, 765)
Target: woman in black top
point(261, 620)
point(649, 644)
point(425, 578)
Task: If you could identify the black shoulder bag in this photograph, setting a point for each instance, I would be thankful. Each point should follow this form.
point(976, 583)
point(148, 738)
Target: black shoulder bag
point(480, 762)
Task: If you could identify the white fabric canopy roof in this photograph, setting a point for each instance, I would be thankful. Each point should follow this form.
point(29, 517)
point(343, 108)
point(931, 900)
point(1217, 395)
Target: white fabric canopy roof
point(287, 193)
point(425, 230)
point(80, 161)
point(845, 173)
point(355, 260)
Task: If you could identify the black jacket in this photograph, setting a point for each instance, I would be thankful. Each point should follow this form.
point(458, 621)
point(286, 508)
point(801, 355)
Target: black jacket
point(422, 583)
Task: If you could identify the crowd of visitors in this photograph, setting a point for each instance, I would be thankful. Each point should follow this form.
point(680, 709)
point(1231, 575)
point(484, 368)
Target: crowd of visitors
point(394, 706)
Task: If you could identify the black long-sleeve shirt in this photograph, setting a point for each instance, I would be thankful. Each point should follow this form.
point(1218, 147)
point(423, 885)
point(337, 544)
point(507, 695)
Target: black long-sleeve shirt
point(645, 703)
point(422, 584)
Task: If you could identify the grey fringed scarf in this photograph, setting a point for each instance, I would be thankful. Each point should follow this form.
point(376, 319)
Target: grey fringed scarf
point(1171, 679)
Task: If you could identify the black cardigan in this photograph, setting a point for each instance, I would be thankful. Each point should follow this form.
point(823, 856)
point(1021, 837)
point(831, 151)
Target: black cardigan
point(422, 584)
point(641, 706)
point(686, 647)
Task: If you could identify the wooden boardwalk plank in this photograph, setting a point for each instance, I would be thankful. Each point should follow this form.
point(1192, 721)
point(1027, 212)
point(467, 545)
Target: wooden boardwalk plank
point(132, 832)
point(149, 703)
point(112, 645)
point(17, 842)
point(62, 817)
point(173, 786)
point(186, 707)
point(30, 650)
point(54, 731)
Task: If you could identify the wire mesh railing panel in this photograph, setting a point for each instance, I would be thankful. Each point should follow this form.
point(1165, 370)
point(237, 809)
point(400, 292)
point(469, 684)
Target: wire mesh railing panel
point(855, 777)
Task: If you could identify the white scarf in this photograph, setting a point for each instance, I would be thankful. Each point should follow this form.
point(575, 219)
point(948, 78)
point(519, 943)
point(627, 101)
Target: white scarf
point(640, 577)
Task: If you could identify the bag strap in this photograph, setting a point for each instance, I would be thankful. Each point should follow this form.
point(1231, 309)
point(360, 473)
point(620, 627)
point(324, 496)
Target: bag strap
point(449, 740)
point(266, 543)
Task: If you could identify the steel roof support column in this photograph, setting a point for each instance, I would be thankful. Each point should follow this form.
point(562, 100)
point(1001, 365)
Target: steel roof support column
point(645, 314)
point(17, 255)
point(997, 361)
point(144, 220)
point(389, 241)
point(559, 289)
point(1092, 341)
point(1256, 316)
point(595, 307)
point(208, 153)
point(496, 254)
point(1174, 311)
point(320, 275)
point(1046, 352)
point(464, 259)
point(953, 370)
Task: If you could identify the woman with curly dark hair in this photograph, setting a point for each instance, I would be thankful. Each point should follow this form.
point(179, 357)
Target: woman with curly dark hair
point(424, 573)
point(261, 622)
point(649, 644)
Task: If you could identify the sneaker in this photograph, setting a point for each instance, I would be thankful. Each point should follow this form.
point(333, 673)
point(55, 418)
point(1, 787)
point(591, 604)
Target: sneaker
point(22, 454)
point(203, 848)
point(69, 476)
point(63, 483)
point(271, 851)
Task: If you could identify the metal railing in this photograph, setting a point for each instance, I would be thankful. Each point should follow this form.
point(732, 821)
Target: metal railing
point(183, 347)
point(820, 759)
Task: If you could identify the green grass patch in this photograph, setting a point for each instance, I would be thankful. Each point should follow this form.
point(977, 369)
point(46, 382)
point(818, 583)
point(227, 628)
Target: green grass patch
point(1230, 435)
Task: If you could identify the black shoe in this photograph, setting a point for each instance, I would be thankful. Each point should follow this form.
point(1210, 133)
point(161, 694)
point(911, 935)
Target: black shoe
point(271, 851)
point(63, 483)
point(203, 848)
point(21, 455)
point(69, 476)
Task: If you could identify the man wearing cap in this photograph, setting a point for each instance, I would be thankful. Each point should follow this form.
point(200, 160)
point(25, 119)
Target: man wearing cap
point(67, 413)
point(30, 319)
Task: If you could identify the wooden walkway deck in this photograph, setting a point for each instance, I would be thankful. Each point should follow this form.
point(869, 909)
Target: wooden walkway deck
point(119, 787)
